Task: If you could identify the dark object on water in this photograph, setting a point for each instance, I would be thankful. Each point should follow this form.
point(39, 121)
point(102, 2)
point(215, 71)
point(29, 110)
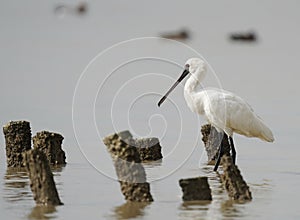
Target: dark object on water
point(82, 8)
point(130, 172)
point(17, 140)
point(50, 144)
point(247, 36)
point(182, 34)
point(41, 178)
point(214, 143)
point(195, 189)
point(233, 181)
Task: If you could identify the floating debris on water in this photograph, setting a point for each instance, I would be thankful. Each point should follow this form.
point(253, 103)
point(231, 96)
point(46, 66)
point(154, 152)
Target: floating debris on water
point(82, 8)
point(246, 36)
point(181, 35)
point(62, 10)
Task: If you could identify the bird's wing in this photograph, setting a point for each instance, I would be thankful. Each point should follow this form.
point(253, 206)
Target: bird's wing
point(214, 105)
point(241, 118)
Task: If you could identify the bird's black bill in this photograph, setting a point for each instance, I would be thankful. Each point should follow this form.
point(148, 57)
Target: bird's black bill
point(183, 75)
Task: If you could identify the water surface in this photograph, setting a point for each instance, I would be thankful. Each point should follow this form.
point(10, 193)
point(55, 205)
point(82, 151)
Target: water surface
point(43, 55)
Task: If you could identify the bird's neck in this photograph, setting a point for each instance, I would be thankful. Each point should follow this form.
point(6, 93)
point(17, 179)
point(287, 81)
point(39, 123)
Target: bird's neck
point(191, 85)
point(192, 91)
point(193, 82)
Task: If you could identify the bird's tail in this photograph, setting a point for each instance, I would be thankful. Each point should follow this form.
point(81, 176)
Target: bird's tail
point(265, 132)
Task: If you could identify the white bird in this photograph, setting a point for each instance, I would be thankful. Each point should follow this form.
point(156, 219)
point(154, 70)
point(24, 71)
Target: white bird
point(224, 110)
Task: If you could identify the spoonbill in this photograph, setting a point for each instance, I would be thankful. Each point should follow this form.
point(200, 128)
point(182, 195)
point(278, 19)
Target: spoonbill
point(224, 110)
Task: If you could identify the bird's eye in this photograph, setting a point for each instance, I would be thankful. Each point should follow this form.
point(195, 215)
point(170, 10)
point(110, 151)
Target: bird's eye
point(187, 66)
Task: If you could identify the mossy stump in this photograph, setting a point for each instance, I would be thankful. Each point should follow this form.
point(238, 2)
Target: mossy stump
point(17, 136)
point(130, 172)
point(195, 189)
point(233, 181)
point(50, 143)
point(41, 178)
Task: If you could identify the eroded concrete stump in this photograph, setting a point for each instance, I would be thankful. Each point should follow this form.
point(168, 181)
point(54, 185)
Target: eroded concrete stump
point(50, 143)
point(148, 148)
point(195, 189)
point(138, 192)
point(130, 172)
point(41, 178)
point(212, 140)
point(233, 181)
point(17, 140)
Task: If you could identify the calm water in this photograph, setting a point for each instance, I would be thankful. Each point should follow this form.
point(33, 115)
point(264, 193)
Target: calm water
point(43, 56)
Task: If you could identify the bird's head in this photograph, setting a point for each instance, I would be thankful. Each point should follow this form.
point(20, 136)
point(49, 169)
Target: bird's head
point(197, 67)
point(194, 66)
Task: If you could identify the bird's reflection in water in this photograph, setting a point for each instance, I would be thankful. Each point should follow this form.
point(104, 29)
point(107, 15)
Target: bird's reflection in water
point(130, 210)
point(42, 212)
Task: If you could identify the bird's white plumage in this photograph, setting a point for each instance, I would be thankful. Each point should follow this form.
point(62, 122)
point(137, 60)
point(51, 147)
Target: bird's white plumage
point(224, 110)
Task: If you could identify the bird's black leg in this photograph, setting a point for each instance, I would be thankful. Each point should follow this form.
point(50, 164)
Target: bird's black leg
point(219, 157)
point(233, 152)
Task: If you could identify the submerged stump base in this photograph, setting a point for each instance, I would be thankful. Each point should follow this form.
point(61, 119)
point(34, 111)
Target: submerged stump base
point(195, 189)
point(130, 172)
point(50, 143)
point(17, 140)
point(138, 192)
point(233, 181)
point(212, 140)
point(41, 178)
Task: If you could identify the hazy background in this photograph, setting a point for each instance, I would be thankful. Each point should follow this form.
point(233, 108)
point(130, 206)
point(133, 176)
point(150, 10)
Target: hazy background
point(43, 53)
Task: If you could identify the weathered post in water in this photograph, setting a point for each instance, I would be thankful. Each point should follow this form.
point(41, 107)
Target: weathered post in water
point(233, 181)
point(17, 140)
point(50, 143)
point(212, 140)
point(127, 162)
point(41, 178)
point(195, 189)
point(148, 148)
